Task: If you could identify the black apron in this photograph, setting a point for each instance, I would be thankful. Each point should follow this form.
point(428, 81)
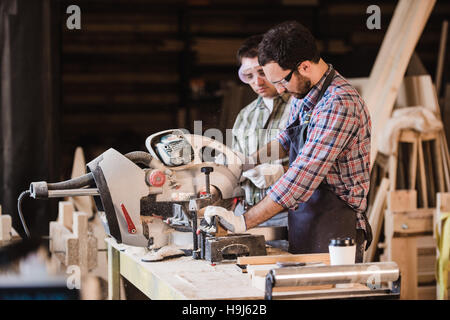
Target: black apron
point(324, 216)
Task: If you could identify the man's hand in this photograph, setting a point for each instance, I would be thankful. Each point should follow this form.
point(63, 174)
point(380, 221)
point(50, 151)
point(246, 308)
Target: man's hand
point(264, 175)
point(226, 218)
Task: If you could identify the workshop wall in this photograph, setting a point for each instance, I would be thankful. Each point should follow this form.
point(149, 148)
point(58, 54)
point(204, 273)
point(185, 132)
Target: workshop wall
point(138, 66)
point(29, 107)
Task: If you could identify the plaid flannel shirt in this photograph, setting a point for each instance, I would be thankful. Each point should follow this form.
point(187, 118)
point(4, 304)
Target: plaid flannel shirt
point(249, 134)
point(336, 150)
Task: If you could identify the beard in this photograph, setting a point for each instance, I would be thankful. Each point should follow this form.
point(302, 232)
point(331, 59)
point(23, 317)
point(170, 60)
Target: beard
point(303, 87)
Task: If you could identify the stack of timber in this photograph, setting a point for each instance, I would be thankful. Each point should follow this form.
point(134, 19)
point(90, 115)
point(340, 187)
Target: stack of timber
point(405, 185)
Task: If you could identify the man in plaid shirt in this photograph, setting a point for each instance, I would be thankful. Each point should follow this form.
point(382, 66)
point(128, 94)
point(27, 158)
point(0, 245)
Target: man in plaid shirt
point(328, 142)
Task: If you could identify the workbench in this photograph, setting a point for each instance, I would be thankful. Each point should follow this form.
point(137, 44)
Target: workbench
point(185, 278)
point(178, 278)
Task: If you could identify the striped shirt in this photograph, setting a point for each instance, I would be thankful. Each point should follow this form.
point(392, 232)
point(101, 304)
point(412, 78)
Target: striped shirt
point(251, 132)
point(336, 150)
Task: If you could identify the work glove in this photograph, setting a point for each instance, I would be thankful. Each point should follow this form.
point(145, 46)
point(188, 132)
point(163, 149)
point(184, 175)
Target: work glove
point(226, 218)
point(264, 175)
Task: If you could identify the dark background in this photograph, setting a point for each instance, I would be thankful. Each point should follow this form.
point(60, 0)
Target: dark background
point(139, 66)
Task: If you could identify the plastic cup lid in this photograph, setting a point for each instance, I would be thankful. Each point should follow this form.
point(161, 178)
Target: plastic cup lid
point(342, 242)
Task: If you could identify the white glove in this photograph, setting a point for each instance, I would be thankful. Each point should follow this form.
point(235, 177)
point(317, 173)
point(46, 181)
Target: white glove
point(227, 218)
point(264, 175)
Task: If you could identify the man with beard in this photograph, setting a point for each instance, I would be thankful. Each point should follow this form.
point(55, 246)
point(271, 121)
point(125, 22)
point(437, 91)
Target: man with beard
point(328, 143)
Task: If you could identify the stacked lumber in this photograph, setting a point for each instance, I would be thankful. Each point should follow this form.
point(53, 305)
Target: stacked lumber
point(410, 17)
point(70, 241)
point(418, 169)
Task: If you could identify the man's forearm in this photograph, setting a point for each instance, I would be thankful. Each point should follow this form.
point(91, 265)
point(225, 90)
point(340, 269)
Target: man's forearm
point(263, 211)
point(270, 152)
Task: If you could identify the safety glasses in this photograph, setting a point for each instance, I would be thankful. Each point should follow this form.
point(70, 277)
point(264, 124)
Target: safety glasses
point(248, 75)
point(285, 81)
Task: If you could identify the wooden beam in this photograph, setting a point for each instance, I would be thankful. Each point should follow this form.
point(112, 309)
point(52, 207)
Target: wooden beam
point(404, 253)
point(65, 214)
point(314, 257)
point(376, 218)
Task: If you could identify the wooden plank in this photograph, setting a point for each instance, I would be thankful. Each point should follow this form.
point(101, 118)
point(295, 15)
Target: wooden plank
point(439, 163)
point(80, 230)
point(5, 227)
point(393, 160)
point(376, 218)
point(422, 174)
point(392, 60)
point(402, 200)
point(62, 241)
point(113, 273)
point(426, 292)
point(404, 253)
point(65, 214)
point(413, 167)
point(415, 222)
point(441, 56)
point(314, 257)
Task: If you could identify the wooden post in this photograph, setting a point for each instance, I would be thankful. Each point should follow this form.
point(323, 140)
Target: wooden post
point(5, 227)
point(80, 229)
point(65, 214)
point(113, 273)
point(376, 218)
point(404, 253)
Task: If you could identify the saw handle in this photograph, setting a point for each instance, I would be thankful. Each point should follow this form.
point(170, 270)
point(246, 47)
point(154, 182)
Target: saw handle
point(207, 171)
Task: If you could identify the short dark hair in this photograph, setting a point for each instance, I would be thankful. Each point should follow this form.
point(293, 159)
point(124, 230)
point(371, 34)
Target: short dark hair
point(249, 49)
point(288, 44)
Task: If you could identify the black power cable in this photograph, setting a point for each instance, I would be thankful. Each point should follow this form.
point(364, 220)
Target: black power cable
point(19, 209)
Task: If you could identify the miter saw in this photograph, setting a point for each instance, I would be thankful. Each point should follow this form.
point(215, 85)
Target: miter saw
point(180, 169)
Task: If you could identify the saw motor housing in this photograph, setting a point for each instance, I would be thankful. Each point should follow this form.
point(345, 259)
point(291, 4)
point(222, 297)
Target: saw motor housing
point(127, 191)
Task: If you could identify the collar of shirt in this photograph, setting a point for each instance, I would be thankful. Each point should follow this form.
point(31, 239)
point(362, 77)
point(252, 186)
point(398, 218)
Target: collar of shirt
point(310, 100)
point(260, 102)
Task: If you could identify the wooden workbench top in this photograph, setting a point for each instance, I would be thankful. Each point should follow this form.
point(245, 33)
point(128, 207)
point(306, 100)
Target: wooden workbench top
point(186, 278)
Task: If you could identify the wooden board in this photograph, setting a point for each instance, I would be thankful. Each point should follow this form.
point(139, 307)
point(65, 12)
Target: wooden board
point(404, 253)
point(402, 200)
point(5, 227)
point(315, 257)
point(410, 223)
point(376, 216)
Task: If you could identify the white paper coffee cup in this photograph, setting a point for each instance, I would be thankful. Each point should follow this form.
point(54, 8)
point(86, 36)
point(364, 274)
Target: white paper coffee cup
point(342, 251)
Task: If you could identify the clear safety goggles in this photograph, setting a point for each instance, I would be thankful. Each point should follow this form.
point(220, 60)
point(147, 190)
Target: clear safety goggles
point(250, 74)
